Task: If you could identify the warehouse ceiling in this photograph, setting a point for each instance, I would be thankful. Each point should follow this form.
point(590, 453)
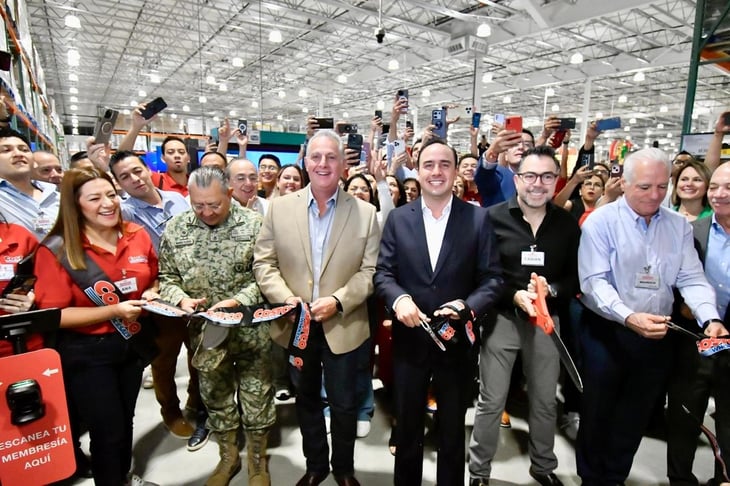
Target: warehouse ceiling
point(211, 59)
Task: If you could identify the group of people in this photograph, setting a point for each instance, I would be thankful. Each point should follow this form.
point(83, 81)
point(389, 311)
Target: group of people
point(449, 253)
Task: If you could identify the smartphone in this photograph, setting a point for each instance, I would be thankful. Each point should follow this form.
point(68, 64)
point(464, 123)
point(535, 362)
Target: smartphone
point(153, 107)
point(379, 114)
point(243, 126)
point(20, 285)
point(567, 123)
point(499, 118)
point(346, 128)
point(558, 138)
point(513, 123)
point(354, 142)
point(726, 118)
point(383, 138)
point(105, 125)
point(617, 170)
point(409, 124)
point(608, 124)
point(214, 134)
point(5, 60)
point(438, 120)
point(403, 95)
point(476, 119)
point(399, 146)
point(364, 153)
point(324, 123)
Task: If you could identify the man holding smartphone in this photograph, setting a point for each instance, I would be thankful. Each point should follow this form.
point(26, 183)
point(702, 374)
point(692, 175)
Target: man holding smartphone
point(174, 154)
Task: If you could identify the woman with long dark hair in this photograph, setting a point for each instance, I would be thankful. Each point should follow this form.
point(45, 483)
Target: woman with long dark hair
point(98, 270)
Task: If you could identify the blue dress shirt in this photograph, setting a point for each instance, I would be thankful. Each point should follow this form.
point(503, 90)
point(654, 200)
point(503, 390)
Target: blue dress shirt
point(19, 208)
point(717, 264)
point(320, 226)
point(154, 218)
point(617, 246)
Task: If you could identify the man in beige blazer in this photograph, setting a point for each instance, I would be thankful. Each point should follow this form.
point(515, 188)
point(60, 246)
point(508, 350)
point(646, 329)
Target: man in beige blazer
point(320, 245)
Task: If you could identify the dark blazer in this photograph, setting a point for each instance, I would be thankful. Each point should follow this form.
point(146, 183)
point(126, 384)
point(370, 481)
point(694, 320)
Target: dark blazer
point(701, 229)
point(468, 268)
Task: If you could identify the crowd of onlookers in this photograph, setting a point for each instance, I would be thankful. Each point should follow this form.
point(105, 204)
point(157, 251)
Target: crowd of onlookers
point(438, 260)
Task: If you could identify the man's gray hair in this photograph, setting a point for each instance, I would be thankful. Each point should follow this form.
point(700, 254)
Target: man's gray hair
point(647, 154)
point(332, 135)
point(205, 176)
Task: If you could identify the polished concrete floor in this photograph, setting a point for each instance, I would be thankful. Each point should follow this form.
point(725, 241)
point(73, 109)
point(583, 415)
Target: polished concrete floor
point(163, 459)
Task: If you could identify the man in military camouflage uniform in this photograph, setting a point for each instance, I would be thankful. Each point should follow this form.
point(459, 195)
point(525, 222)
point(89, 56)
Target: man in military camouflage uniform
point(205, 261)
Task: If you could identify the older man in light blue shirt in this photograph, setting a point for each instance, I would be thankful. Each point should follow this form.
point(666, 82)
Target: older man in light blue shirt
point(632, 254)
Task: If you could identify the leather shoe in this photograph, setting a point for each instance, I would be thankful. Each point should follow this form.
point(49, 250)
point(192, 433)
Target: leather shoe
point(478, 482)
point(312, 479)
point(546, 479)
point(347, 481)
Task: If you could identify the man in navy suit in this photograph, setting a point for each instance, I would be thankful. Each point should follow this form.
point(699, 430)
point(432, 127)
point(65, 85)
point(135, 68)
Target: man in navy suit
point(435, 250)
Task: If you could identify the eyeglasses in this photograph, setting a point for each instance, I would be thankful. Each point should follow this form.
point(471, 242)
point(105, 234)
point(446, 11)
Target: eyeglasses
point(202, 206)
point(531, 177)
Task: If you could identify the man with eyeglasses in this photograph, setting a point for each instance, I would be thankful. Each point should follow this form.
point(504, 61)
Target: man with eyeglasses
point(152, 209)
point(244, 181)
point(495, 181)
point(533, 237)
point(206, 258)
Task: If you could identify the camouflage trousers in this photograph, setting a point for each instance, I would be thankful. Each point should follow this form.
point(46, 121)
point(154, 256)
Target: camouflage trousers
point(237, 372)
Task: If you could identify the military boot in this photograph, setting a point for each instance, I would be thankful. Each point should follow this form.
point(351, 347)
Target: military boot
point(230, 462)
point(258, 471)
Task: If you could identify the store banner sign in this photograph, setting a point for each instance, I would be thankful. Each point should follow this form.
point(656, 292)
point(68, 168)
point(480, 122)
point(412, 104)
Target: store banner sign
point(35, 433)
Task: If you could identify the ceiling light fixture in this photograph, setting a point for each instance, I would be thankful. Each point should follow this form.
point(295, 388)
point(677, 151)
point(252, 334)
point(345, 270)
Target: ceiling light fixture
point(484, 30)
point(487, 78)
point(663, 109)
point(173, 116)
point(302, 93)
point(380, 104)
point(73, 77)
point(202, 99)
point(73, 90)
point(639, 77)
point(223, 87)
point(345, 115)
point(237, 62)
point(154, 78)
point(133, 103)
point(622, 99)
point(275, 36)
point(335, 101)
point(186, 108)
point(576, 58)
point(142, 93)
point(669, 135)
point(305, 109)
point(232, 113)
point(74, 131)
point(73, 107)
point(549, 92)
point(210, 79)
point(254, 104)
point(426, 93)
point(342, 79)
point(282, 94)
point(632, 121)
point(73, 57)
point(555, 108)
point(393, 65)
point(126, 112)
point(599, 115)
point(660, 126)
point(72, 21)
point(627, 129)
point(507, 99)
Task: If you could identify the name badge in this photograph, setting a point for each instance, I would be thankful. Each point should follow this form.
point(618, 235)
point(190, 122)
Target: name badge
point(646, 281)
point(43, 224)
point(184, 241)
point(127, 285)
point(533, 258)
point(7, 271)
point(240, 234)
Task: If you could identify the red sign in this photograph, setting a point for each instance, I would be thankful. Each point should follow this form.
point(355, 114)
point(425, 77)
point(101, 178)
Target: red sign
point(37, 449)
